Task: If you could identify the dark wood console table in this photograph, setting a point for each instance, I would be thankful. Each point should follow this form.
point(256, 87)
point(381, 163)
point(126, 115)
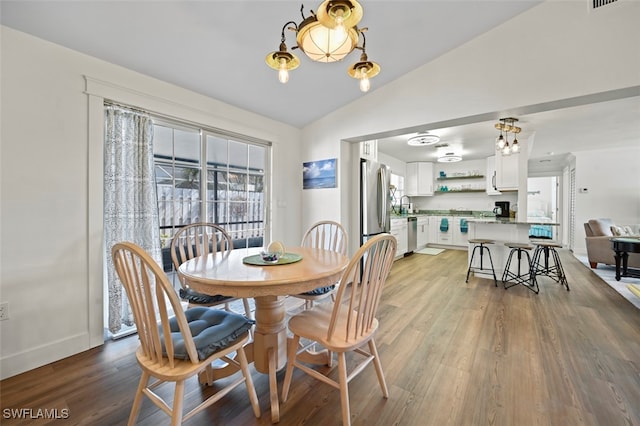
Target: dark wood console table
point(623, 246)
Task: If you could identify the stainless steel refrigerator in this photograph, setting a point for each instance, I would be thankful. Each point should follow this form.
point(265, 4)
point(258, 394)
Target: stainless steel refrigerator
point(375, 199)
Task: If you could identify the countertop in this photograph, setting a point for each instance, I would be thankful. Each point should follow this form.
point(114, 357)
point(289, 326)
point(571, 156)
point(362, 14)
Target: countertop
point(505, 221)
point(474, 216)
point(465, 213)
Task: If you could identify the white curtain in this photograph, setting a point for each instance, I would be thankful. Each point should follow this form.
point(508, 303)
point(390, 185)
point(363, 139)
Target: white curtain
point(130, 200)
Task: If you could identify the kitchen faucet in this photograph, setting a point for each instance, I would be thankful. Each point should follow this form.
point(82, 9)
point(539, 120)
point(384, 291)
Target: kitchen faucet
point(402, 204)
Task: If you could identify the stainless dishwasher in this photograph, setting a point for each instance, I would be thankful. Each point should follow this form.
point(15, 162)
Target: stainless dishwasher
point(412, 234)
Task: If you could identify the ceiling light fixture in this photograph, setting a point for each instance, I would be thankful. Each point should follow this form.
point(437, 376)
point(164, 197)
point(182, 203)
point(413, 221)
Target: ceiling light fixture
point(507, 126)
point(328, 36)
point(423, 139)
point(449, 157)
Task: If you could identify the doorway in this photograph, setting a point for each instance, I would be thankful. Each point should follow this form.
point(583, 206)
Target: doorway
point(543, 205)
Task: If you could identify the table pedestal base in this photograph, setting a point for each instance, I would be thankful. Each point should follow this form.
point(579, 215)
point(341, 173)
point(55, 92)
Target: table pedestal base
point(270, 344)
point(268, 350)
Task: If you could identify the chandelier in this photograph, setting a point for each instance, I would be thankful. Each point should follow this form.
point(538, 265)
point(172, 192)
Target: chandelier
point(326, 36)
point(507, 125)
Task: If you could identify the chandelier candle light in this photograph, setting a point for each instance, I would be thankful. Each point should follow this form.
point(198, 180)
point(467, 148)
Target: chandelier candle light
point(327, 36)
point(507, 126)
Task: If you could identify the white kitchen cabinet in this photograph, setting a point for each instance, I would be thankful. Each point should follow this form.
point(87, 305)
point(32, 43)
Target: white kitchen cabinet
point(399, 229)
point(419, 179)
point(453, 236)
point(491, 176)
point(423, 231)
point(507, 177)
point(433, 229)
point(443, 237)
point(369, 150)
point(411, 179)
point(460, 238)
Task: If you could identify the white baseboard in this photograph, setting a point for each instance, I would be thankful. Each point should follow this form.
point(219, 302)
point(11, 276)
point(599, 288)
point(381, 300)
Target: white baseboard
point(35, 357)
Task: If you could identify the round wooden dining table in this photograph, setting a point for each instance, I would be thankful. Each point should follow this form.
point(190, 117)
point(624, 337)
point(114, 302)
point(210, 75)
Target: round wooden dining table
point(227, 274)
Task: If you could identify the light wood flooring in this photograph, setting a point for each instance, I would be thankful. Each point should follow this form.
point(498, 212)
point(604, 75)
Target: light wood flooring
point(453, 354)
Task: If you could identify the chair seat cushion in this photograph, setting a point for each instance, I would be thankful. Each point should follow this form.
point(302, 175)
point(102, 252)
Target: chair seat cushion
point(192, 296)
point(212, 330)
point(320, 290)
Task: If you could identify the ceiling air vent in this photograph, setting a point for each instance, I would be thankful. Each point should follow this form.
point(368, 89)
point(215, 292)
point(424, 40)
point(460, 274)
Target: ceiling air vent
point(599, 3)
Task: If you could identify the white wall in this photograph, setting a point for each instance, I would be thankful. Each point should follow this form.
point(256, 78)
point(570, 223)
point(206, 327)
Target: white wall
point(326, 197)
point(561, 49)
point(50, 150)
point(398, 167)
point(612, 178)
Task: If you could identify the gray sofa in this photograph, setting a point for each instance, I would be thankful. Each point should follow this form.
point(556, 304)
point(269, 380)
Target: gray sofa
point(598, 235)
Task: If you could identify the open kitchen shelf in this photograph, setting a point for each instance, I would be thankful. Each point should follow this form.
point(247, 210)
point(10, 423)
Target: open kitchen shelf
point(456, 191)
point(460, 177)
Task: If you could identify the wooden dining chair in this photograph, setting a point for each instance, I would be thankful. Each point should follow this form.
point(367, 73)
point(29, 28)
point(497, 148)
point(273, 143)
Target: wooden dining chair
point(327, 235)
point(200, 239)
point(347, 325)
point(176, 345)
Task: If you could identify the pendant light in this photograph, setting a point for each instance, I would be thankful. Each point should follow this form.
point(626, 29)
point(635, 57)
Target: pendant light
point(328, 36)
point(364, 69)
point(281, 60)
point(339, 14)
point(515, 148)
point(502, 143)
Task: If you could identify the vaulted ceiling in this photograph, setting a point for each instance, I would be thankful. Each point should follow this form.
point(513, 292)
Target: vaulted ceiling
point(218, 49)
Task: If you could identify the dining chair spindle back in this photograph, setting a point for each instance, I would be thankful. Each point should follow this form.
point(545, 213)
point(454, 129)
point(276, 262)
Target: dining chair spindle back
point(201, 239)
point(327, 235)
point(169, 350)
point(349, 324)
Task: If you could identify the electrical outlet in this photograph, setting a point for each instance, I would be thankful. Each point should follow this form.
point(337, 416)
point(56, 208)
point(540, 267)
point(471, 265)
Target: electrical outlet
point(4, 311)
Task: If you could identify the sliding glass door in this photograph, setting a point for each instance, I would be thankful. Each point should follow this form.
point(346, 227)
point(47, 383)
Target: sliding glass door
point(207, 176)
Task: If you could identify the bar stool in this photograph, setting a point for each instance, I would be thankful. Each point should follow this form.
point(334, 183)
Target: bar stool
point(479, 243)
point(526, 278)
point(545, 267)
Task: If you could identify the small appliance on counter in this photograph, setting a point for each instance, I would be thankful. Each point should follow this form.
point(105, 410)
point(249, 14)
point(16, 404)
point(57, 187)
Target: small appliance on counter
point(501, 209)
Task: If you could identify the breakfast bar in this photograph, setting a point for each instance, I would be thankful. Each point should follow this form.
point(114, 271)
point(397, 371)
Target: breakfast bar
point(501, 231)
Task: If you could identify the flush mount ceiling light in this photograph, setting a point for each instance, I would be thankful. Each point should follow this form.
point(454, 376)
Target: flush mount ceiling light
point(328, 36)
point(423, 139)
point(449, 157)
point(507, 126)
